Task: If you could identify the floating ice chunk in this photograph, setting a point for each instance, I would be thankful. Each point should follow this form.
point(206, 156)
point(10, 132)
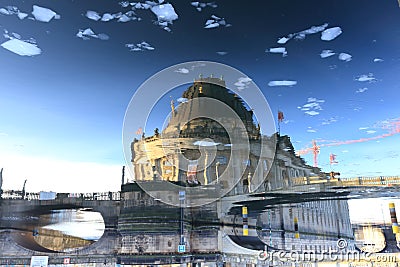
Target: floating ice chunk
point(21, 48)
point(22, 15)
point(215, 22)
point(43, 14)
point(331, 33)
point(199, 6)
point(315, 29)
point(124, 3)
point(222, 53)
point(345, 57)
point(107, 17)
point(283, 40)
point(282, 83)
point(212, 25)
point(312, 113)
point(124, 18)
point(302, 34)
point(16, 35)
point(378, 60)
point(93, 15)
point(366, 78)
point(361, 90)
point(327, 53)
point(182, 100)
point(182, 70)
point(85, 34)
point(88, 31)
point(5, 11)
point(165, 12)
point(277, 50)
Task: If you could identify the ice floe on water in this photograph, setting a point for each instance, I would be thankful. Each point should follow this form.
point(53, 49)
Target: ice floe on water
point(302, 34)
point(22, 48)
point(282, 83)
point(143, 46)
point(312, 107)
point(39, 13)
point(182, 70)
point(44, 14)
point(378, 60)
point(361, 90)
point(164, 12)
point(120, 17)
point(277, 50)
point(331, 33)
point(242, 83)
point(345, 57)
point(89, 33)
point(215, 22)
point(366, 78)
point(199, 5)
point(327, 53)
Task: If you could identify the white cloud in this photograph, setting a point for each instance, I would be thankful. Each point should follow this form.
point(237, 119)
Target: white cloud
point(21, 48)
point(242, 83)
point(282, 83)
point(311, 130)
point(222, 53)
point(327, 53)
point(312, 113)
point(331, 33)
point(182, 70)
point(361, 90)
point(312, 107)
point(378, 60)
point(182, 100)
point(366, 78)
point(370, 131)
point(345, 57)
point(363, 128)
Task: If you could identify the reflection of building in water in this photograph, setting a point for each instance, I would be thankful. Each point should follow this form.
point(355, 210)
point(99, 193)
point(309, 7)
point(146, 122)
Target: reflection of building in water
point(319, 226)
point(159, 157)
point(149, 226)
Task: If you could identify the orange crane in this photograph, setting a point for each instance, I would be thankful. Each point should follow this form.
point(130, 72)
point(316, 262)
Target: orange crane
point(394, 128)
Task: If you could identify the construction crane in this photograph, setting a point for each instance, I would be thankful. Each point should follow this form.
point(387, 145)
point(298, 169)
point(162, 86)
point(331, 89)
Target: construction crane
point(393, 127)
point(314, 149)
